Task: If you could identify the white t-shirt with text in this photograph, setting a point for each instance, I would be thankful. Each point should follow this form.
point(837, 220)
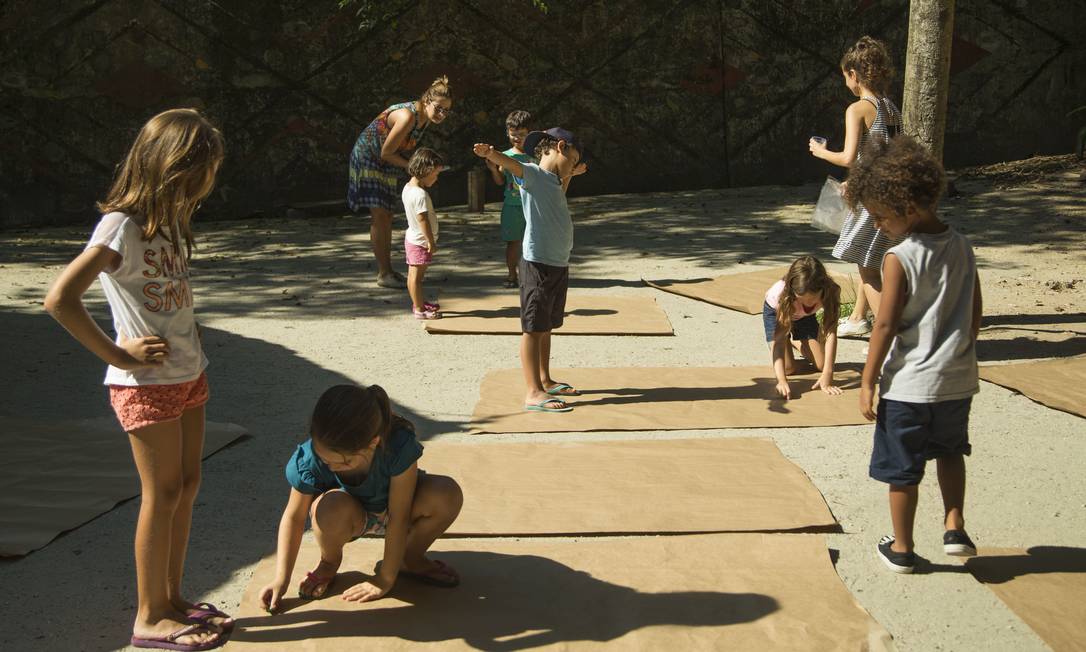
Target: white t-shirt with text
point(416, 201)
point(149, 294)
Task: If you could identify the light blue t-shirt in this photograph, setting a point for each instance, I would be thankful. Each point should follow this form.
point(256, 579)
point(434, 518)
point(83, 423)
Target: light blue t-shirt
point(309, 475)
point(548, 238)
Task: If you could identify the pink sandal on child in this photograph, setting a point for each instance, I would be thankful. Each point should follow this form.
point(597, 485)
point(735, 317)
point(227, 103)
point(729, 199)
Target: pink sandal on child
point(426, 313)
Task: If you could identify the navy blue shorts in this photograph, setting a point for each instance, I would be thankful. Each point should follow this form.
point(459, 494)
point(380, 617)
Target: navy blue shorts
point(907, 435)
point(802, 329)
point(542, 296)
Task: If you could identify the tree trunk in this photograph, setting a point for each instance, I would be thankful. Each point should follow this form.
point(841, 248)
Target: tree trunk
point(927, 72)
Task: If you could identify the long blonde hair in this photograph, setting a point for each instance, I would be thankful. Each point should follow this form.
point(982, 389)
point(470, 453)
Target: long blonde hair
point(167, 172)
point(806, 275)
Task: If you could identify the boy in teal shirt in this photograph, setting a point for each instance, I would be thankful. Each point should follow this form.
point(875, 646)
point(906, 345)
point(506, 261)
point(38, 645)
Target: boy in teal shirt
point(512, 220)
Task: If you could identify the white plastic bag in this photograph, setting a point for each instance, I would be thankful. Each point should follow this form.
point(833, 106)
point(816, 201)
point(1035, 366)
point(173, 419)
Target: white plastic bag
point(831, 209)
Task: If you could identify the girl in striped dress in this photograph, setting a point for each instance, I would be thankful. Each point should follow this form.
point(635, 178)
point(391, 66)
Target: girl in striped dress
point(380, 157)
point(867, 70)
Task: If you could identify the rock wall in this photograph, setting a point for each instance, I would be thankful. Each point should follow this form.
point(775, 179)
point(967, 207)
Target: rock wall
point(667, 94)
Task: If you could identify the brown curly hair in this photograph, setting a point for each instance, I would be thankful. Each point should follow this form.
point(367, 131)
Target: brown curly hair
point(895, 175)
point(870, 58)
point(807, 274)
point(423, 162)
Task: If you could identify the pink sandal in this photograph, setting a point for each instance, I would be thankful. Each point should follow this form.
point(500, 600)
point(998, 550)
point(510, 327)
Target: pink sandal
point(426, 313)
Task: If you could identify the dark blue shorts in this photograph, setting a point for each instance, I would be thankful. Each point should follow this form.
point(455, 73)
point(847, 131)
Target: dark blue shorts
point(802, 329)
point(907, 435)
point(542, 296)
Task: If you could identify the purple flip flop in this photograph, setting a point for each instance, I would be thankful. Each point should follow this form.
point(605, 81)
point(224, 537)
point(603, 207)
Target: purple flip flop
point(204, 611)
point(168, 642)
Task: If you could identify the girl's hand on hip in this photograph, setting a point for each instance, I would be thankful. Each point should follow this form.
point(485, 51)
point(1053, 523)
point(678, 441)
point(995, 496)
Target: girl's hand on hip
point(867, 403)
point(367, 591)
point(784, 390)
point(143, 352)
point(431, 247)
point(827, 386)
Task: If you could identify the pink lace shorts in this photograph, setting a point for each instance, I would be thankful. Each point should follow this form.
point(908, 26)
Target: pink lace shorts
point(139, 406)
point(417, 255)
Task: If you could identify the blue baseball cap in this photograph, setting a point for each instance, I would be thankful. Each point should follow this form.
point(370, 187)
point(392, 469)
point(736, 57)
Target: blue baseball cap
point(532, 139)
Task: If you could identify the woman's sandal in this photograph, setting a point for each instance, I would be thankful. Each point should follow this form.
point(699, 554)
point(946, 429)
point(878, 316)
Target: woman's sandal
point(203, 612)
point(169, 641)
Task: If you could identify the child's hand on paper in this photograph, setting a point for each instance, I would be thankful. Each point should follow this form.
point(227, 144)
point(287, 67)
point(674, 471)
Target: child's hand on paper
point(825, 383)
point(367, 591)
point(784, 390)
point(271, 596)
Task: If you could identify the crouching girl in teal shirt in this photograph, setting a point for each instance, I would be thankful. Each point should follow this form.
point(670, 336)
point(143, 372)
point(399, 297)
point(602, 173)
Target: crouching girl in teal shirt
point(356, 475)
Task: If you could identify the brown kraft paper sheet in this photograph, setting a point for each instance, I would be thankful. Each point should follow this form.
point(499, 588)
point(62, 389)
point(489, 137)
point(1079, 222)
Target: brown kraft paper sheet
point(668, 398)
point(744, 292)
point(613, 487)
point(1059, 384)
point(61, 474)
point(586, 314)
point(704, 592)
point(1045, 586)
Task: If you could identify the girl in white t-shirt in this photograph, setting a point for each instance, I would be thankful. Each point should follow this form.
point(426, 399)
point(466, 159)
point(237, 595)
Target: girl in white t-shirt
point(140, 252)
point(420, 241)
point(789, 312)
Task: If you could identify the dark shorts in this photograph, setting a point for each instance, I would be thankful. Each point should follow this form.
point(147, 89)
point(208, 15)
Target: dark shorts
point(802, 329)
point(907, 435)
point(542, 296)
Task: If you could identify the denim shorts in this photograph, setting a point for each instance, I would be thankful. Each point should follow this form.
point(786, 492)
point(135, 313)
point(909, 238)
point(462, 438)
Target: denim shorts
point(802, 329)
point(907, 435)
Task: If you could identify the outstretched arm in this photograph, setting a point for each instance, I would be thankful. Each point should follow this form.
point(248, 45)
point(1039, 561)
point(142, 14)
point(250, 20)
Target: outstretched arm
point(401, 497)
point(291, 526)
point(491, 155)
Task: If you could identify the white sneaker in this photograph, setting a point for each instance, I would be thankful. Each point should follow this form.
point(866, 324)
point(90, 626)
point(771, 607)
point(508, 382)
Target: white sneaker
point(848, 328)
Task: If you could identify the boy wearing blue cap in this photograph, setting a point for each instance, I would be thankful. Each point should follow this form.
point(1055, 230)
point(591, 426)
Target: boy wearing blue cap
point(544, 265)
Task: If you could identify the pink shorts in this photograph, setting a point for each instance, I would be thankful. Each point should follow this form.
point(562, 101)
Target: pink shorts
point(417, 255)
point(139, 406)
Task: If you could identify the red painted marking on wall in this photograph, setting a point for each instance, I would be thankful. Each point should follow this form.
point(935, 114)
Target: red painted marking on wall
point(964, 55)
point(712, 79)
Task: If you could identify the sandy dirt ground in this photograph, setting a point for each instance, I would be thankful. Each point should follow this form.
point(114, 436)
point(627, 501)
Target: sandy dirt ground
point(288, 308)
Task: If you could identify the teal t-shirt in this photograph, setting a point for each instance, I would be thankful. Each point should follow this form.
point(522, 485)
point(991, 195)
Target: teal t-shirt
point(548, 236)
point(309, 475)
point(512, 189)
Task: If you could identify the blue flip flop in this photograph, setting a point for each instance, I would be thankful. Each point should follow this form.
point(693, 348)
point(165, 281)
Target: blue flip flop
point(542, 406)
point(557, 390)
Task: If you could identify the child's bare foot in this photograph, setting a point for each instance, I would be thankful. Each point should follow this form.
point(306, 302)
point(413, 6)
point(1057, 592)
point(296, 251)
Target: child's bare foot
point(176, 630)
point(544, 402)
point(317, 581)
point(433, 572)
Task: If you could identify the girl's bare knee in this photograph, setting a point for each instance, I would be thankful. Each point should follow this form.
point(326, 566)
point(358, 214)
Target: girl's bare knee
point(331, 512)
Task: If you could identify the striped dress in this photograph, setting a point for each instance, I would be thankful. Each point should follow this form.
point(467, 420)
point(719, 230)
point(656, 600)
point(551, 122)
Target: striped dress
point(861, 242)
point(373, 182)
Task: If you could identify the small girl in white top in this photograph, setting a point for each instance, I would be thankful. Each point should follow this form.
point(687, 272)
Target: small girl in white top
point(420, 241)
point(140, 252)
point(790, 308)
